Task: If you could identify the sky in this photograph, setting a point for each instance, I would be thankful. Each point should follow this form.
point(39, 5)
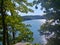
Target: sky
point(36, 11)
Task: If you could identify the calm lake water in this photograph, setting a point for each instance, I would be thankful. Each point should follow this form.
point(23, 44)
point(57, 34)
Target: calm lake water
point(36, 24)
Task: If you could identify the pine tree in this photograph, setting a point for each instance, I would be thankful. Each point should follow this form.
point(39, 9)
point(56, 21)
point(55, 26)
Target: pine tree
point(13, 22)
point(52, 10)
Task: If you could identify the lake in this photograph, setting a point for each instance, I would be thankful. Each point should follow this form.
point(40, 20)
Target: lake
point(36, 24)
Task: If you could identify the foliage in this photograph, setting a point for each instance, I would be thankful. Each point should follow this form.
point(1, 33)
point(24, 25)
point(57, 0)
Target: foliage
point(36, 44)
point(13, 20)
point(52, 10)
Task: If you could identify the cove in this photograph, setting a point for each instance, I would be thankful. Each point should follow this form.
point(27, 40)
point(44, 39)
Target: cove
point(35, 26)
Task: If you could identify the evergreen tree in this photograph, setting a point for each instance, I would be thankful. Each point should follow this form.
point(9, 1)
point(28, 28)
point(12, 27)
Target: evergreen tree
point(12, 23)
point(52, 10)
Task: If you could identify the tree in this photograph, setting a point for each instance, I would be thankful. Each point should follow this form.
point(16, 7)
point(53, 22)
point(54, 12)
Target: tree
point(52, 10)
point(14, 20)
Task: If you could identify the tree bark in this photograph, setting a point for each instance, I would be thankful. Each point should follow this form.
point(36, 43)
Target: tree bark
point(3, 23)
point(13, 37)
point(5, 31)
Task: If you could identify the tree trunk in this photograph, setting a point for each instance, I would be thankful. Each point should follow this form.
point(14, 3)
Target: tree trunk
point(3, 23)
point(5, 31)
point(13, 37)
point(13, 33)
